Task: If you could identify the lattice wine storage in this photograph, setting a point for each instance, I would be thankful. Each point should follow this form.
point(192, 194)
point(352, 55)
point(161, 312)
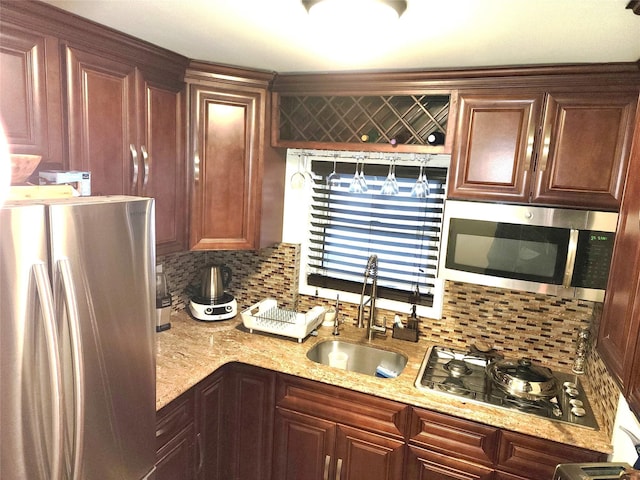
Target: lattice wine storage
point(391, 119)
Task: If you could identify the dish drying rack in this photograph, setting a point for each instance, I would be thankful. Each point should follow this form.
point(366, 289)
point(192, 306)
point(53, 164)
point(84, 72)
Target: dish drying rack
point(266, 316)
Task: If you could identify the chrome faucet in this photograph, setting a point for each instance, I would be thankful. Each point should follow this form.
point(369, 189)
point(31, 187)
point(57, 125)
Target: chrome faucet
point(370, 274)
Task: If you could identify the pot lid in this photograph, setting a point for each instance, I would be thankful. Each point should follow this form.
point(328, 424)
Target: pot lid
point(523, 369)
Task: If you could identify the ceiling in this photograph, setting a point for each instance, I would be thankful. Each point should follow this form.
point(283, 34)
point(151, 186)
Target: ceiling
point(278, 35)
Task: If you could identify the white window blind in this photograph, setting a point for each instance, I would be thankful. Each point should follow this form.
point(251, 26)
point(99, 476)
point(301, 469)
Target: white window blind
point(404, 231)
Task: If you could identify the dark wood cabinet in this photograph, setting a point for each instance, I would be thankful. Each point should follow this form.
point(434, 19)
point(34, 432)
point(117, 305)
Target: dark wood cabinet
point(493, 147)
point(533, 458)
point(309, 447)
point(251, 416)
point(128, 132)
point(618, 337)
point(244, 422)
point(424, 464)
point(30, 97)
point(327, 432)
point(236, 178)
point(123, 105)
point(175, 438)
point(557, 148)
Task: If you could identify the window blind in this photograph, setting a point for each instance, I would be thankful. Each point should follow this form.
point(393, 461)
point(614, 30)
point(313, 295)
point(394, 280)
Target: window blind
point(404, 231)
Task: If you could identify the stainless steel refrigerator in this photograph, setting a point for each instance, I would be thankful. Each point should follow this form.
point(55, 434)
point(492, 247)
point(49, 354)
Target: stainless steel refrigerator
point(77, 339)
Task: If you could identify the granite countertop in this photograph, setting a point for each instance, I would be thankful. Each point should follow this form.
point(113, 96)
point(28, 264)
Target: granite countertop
point(191, 350)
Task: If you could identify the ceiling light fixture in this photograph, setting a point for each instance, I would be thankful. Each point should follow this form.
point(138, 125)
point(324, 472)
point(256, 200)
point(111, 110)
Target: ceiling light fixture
point(340, 8)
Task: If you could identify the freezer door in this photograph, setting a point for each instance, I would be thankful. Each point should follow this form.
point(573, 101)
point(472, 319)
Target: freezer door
point(30, 378)
point(103, 264)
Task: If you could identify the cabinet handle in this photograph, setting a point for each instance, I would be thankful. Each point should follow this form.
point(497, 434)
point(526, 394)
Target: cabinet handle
point(544, 153)
point(145, 162)
point(134, 162)
point(200, 453)
point(327, 461)
point(339, 469)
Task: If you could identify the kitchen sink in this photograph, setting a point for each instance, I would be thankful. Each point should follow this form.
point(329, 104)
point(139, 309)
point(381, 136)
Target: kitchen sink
point(360, 358)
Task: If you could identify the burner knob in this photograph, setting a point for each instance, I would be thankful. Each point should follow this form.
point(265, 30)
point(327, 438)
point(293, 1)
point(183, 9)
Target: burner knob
point(228, 308)
point(208, 311)
point(578, 411)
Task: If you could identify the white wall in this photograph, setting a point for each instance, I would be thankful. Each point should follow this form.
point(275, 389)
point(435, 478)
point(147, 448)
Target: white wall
point(623, 448)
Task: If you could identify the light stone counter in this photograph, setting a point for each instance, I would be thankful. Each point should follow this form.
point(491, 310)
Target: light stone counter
point(191, 350)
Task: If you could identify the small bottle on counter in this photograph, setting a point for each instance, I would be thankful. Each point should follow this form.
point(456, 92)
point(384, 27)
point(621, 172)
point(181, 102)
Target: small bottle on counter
point(582, 344)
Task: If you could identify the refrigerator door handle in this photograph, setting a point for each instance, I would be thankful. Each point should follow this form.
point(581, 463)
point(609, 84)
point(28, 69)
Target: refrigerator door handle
point(69, 298)
point(45, 296)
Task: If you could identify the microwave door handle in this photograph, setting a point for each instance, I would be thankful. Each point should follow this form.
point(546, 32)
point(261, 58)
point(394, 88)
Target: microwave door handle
point(571, 258)
point(45, 297)
point(69, 297)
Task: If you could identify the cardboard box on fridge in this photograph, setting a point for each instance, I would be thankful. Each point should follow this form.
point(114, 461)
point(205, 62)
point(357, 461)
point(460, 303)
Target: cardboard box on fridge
point(82, 180)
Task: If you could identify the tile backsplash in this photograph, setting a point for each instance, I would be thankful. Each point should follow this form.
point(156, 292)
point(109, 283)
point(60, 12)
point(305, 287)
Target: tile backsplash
point(518, 324)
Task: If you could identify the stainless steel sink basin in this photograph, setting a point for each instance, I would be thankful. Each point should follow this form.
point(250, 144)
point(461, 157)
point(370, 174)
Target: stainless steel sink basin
point(361, 358)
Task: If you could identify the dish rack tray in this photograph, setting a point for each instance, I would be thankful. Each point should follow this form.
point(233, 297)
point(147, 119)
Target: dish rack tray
point(266, 316)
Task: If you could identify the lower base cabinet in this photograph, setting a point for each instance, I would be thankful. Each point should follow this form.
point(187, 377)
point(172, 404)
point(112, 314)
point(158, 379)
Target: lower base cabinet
point(309, 448)
point(175, 439)
point(247, 423)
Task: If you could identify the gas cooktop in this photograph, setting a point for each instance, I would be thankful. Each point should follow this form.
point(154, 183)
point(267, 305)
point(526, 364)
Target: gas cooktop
point(462, 374)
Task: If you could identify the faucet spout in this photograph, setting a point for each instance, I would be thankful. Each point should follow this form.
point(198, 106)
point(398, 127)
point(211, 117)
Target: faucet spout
point(370, 275)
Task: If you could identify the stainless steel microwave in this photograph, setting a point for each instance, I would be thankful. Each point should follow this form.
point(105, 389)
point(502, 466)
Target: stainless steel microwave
point(555, 251)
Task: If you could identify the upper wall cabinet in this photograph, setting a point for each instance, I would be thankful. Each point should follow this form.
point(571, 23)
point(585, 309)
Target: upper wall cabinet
point(30, 93)
point(236, 179)
point(557, 149)
point(127, 130)
point(618, 338)
point(123, 103)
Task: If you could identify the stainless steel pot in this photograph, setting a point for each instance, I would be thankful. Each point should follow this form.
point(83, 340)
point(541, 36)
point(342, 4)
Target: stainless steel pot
point(213, 281)
point(522, 379)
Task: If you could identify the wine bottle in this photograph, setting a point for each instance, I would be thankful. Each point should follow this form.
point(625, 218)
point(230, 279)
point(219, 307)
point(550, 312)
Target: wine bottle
point(435, 138)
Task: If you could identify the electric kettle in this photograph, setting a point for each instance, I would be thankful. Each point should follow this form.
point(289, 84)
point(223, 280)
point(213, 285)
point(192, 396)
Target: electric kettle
point(213, 281)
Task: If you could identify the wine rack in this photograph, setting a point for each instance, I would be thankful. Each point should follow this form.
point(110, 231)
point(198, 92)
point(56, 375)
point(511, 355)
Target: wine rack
point(381, 119)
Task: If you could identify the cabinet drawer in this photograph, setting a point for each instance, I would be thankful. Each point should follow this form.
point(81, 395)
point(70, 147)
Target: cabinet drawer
point(446, 434)
point(173, 418)
point(427, 465)
point(342, 405)
point(538, 457)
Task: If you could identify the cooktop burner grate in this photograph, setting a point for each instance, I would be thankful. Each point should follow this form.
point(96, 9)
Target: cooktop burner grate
point(462, 374)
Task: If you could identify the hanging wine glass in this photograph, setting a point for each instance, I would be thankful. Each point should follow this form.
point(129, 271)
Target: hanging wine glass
point(390, 185)
point(333, 180)
point(298, 179)
point(361, 179)
point(355, 186)
point(421, 187)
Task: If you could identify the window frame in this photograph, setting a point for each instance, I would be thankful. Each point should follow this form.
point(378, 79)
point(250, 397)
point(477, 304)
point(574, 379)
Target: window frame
point(298, 210)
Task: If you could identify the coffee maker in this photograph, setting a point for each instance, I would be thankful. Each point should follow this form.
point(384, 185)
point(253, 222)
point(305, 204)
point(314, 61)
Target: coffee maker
point(212, 303)
point(163, 303)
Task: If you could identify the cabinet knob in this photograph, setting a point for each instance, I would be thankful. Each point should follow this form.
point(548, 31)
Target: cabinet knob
point(327, 461)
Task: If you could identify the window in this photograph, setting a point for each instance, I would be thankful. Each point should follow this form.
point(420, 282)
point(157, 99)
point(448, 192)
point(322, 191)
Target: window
point(344, 228)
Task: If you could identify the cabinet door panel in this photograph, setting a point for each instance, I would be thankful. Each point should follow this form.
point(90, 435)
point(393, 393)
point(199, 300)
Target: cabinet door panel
point(618, 336)
point(164, 168)
point(101, 119)
point(226, 170)
point(303, 447)
point(175, 460)
point(586, 145)
point(252, 420)
point(361, 454)
point(424, 464)
point(30, 97)
point(493, 147)
point(213, 429)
